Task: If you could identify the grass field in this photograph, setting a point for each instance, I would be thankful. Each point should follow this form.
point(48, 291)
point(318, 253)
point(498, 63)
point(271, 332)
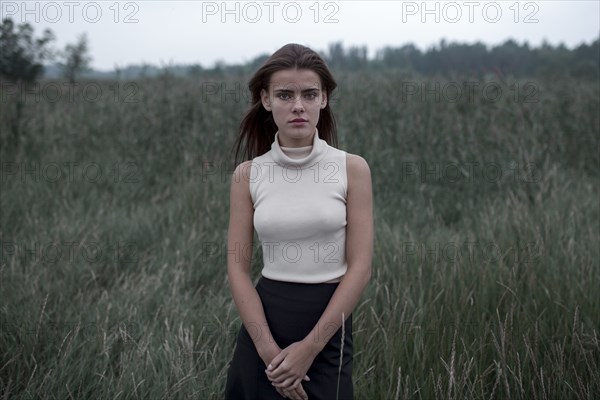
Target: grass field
point(486, 267)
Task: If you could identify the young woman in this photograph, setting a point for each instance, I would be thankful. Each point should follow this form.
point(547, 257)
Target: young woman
point(311, 205)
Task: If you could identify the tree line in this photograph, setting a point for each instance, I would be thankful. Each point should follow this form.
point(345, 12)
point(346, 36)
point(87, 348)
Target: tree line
point(508, 58)
point(24, 58)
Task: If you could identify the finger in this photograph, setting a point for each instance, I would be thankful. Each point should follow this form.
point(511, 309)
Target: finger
point(291, 387)
point(287, 382)
point(280, 391)
point(279, 381)
point(291, 395)
point(274, 375)
point(306, 378)
point(303, 393)
point(278, 372)
point(295, 391)
point(296, 384)
point(276, 361)
point(300, 393)
point(285, 393)
point(299, 396)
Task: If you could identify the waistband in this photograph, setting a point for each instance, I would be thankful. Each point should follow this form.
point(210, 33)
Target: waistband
point(308, 292)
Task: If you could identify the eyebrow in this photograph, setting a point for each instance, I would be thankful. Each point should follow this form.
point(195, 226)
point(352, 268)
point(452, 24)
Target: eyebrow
point(290, 91)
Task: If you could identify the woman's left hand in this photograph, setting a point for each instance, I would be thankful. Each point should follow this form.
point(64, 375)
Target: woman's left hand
point(289, 367)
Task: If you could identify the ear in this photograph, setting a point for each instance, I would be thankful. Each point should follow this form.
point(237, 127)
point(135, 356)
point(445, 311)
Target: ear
point(264, 97)
point(324, 100)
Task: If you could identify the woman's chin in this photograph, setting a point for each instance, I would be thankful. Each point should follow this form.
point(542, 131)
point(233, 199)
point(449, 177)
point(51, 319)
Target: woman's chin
point(298, 132)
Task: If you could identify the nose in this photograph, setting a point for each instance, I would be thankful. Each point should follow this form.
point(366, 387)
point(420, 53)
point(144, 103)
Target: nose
point(297, 105)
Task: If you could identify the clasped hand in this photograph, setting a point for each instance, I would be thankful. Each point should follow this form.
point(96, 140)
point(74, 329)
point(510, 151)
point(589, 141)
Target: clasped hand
point(289, 367)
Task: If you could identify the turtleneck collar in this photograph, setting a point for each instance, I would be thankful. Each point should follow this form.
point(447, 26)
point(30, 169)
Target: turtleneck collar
point(315, 152)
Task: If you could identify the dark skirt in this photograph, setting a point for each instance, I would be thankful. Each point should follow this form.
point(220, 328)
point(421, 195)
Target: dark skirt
point(292, 310)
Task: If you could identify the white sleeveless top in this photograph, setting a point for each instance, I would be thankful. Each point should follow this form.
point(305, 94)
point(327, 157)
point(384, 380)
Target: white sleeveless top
point(299, 196)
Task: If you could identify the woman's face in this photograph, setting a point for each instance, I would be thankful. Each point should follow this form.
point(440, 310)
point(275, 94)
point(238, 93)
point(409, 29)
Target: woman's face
point(295, 98)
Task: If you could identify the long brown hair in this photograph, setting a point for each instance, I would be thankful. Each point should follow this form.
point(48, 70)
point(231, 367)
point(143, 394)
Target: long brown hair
point(257, 129)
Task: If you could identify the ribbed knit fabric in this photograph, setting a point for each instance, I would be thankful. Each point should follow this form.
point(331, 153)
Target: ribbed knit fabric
point(299, 196)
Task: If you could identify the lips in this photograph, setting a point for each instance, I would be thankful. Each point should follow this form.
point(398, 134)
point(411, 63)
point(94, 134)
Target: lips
point(298, 120)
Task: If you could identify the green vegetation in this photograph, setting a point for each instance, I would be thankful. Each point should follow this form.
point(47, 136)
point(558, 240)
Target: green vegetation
point(486, 263)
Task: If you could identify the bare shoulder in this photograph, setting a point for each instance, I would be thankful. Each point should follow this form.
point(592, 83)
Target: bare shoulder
point(357, 170)
point(240, 180)
point(241, 174)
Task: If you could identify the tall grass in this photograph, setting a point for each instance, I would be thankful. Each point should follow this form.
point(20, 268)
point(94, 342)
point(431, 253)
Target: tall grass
point(485, 285)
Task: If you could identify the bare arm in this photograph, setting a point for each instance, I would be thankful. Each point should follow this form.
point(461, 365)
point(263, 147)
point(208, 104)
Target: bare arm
point(294, 361)
point(239, 240)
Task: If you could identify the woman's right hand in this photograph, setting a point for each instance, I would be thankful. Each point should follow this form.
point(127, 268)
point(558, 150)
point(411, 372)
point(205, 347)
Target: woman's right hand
point(267, 355)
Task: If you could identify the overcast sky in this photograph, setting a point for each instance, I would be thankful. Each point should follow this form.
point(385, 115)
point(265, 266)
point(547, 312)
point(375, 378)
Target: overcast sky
point(185, 32)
